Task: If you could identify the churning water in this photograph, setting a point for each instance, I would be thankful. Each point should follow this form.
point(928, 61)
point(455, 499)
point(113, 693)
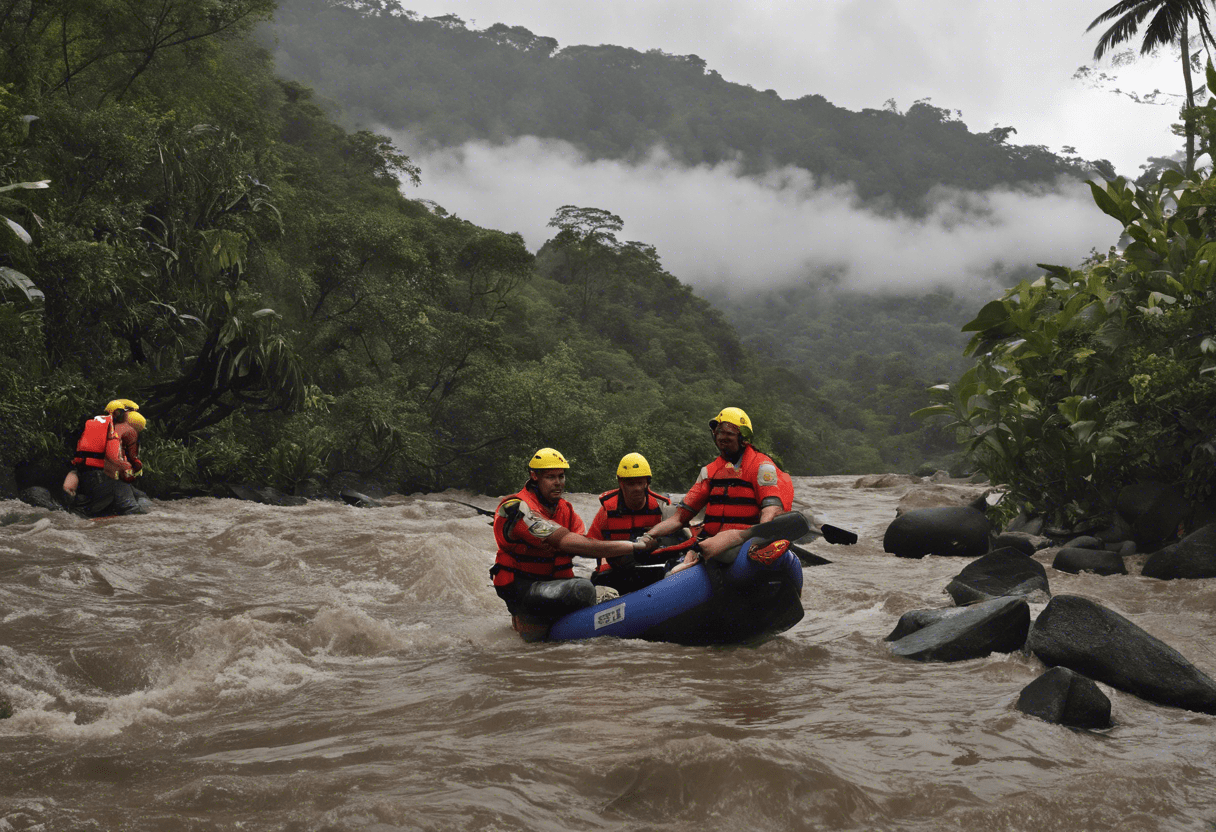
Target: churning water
point(222, 665)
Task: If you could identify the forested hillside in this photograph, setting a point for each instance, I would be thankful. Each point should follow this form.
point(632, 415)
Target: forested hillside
point(448, 83)
point(191, 231)
point(868, 359)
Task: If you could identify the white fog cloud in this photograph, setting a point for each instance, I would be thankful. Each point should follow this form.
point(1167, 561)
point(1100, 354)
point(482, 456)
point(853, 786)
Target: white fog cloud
point(713, 224)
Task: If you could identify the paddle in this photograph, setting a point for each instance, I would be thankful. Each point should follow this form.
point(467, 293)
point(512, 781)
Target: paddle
point(788, 526)
point(807, 557)
point(834, 534)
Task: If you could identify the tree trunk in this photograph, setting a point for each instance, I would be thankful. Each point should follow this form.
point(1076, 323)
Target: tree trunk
point(1188, 121)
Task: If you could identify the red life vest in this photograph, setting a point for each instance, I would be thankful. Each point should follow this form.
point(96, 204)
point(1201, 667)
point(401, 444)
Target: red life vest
point(91, 448)
point(734, 494)
point(521, 549)
point(622, 523)
point(129, 442)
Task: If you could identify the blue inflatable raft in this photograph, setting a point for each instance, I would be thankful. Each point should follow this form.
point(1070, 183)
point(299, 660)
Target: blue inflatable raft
point(754, 597)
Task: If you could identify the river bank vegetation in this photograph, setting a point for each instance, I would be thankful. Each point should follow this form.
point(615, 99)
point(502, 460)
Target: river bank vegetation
point(1090, 378)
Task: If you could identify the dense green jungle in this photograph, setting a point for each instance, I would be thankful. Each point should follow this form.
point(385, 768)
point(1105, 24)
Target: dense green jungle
point(197, 219)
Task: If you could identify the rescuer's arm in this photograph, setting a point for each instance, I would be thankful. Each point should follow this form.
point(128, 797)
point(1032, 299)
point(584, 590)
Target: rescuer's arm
point(576, 544)
point(666, 527)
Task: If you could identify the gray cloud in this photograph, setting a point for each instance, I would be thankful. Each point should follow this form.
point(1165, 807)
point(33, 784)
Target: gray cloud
point(713, 224)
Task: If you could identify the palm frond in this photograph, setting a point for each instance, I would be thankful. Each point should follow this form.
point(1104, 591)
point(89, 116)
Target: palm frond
point(1124, 28)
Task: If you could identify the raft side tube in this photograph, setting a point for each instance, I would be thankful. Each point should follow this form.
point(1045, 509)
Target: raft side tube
point(711, 603)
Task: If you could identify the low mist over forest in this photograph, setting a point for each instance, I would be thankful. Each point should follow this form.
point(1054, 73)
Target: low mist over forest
point(807, 224)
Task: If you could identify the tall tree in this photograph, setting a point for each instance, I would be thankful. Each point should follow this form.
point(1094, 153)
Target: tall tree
point(1169, 25)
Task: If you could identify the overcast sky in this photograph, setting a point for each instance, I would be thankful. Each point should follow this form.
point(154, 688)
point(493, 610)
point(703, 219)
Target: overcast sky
point(999, 62)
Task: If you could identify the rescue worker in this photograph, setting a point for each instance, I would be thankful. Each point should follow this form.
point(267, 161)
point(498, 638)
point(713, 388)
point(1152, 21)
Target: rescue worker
point(538, 532)
point(627, 512)
point(739, 489)
point(93, 483)
point(128, 434)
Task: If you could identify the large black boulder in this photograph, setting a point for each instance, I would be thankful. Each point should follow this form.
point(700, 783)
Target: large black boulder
point(1003, 572)
point(1076, 560)
point(1192, 557)
point(1079, 634)
point(940, 530)
point(914, 620)
point(1065, 697)
point(996, 626)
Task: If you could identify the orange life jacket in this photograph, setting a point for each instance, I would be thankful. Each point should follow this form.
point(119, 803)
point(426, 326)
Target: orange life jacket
point(522, 553)
point(622, 523)
point(734, 494)
point(91, 448)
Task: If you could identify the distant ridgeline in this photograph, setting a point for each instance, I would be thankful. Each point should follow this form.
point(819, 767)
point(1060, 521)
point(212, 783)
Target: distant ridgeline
point(449, 84)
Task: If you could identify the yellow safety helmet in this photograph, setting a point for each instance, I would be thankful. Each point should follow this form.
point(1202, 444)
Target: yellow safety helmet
point(633, 465)
point(125, 404)
point(547, 458)
point(137, 421)
point(737, 418)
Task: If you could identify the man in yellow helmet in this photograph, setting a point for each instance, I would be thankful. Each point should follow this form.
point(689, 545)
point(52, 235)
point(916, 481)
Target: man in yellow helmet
point(626, 513)
point(538, 532)
point(94, 483)
point(739, 489)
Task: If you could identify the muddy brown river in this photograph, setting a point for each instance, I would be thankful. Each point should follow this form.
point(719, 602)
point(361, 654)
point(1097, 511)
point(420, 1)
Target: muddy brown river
point(223, 665)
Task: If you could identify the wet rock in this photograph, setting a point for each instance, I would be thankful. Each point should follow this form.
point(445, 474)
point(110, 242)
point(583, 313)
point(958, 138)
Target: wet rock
point(1192, 557)
point(996, 626)
point(1115, 531)
point(1089, 560)
point(1027, 544)
point(938, 496)
point(274, 497)
point(1025, 524)
point(940, 476)
point(236, 491)
point(36, 495)
point(1084, 636)
point(357, 499)
point(914, 620)
point(943, 530)
point(1084, 541)
point(887, 481)
point(999, 573)
point(1065, 697)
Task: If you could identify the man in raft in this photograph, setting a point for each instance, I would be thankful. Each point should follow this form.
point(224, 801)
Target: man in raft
point(626, 513)
point(537, 532)
point(739, 489)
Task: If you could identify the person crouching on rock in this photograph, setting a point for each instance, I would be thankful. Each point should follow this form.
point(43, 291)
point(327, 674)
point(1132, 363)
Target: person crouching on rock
point(93, 483)
point(628, 512)
point(538, 532)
